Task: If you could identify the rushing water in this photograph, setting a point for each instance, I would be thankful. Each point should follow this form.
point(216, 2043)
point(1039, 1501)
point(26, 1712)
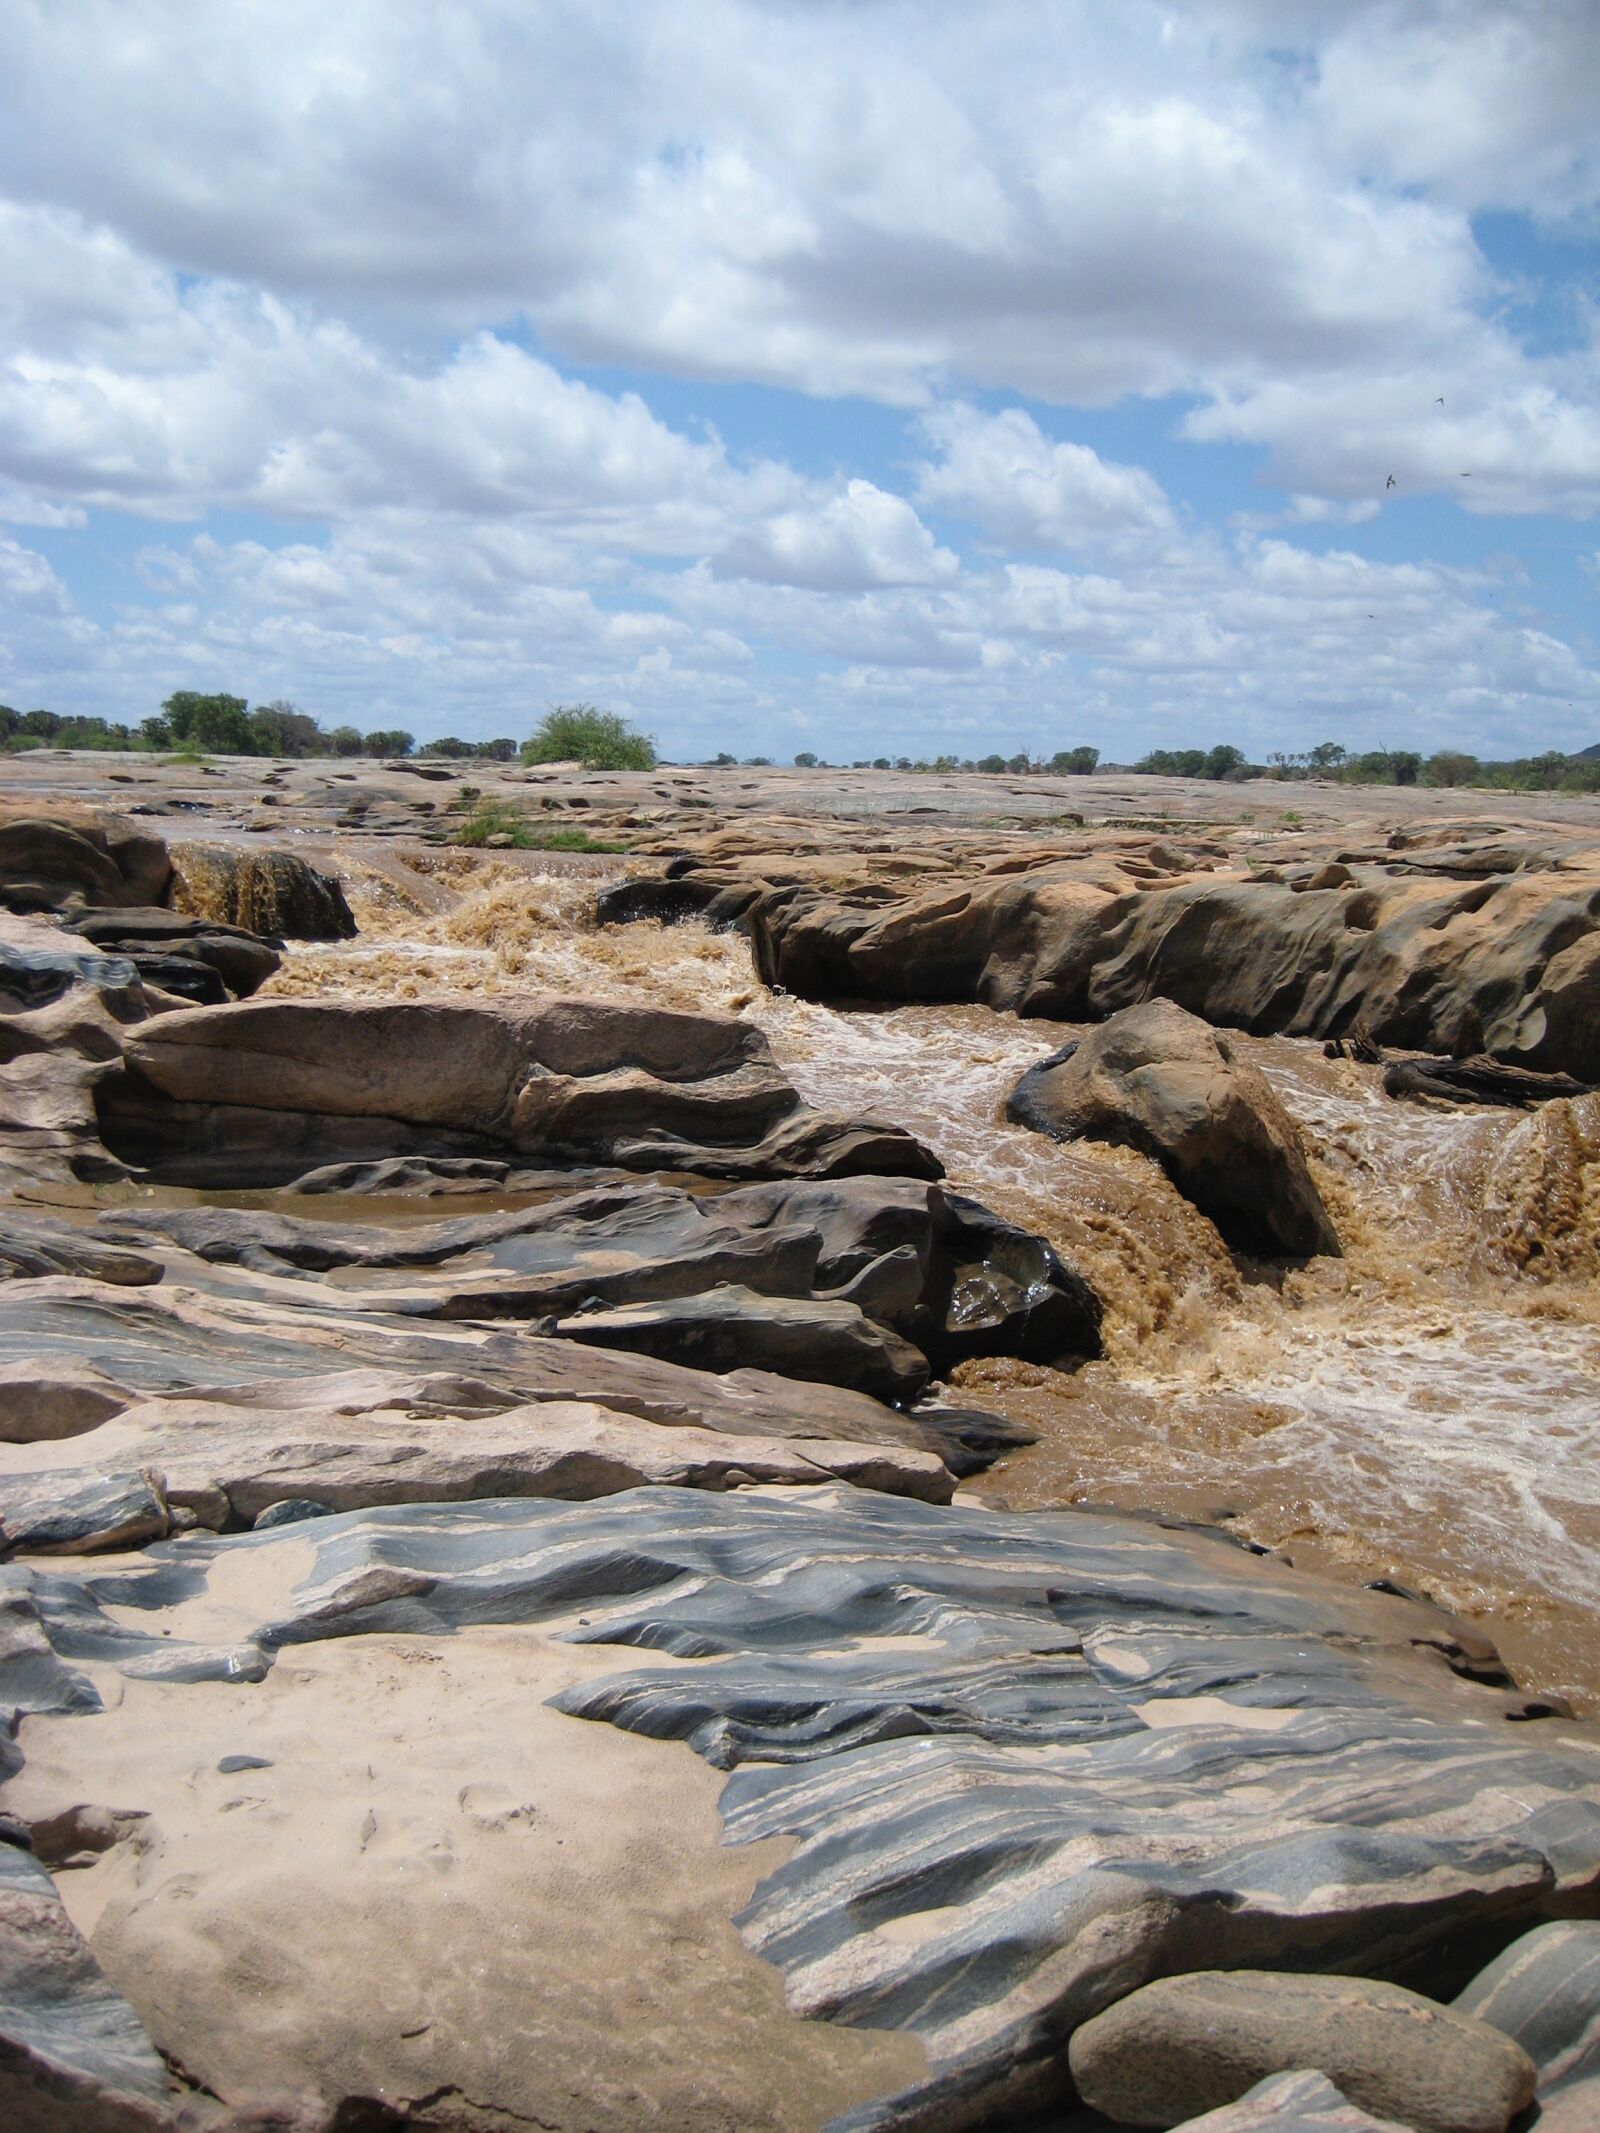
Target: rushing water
point(1426, 1409)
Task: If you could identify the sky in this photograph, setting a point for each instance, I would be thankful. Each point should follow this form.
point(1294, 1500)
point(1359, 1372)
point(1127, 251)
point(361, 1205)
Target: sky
point(857, 376)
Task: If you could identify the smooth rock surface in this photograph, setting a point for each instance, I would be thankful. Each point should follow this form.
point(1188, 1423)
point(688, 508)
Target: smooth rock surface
point(1023, 1763)
point(1544, 1992)
point(1184, 2045)
point(1158, 1079)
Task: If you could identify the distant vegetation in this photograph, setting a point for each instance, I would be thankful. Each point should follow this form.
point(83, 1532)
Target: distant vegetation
point(599, 740)
point(191, 724)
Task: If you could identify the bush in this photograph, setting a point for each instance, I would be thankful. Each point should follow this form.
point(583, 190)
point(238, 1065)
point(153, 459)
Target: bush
point(493, 822)
point(599, 740)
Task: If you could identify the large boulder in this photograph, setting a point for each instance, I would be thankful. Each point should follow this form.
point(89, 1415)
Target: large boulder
point(261, 1092)
point(272, 893)
point(1189, 2044)
point(50, 864)
point(161, 944)
point(1159, 1080)
point(1292, 2103)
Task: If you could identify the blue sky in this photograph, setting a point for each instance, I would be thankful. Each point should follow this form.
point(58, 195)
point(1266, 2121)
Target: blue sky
point(839, 374)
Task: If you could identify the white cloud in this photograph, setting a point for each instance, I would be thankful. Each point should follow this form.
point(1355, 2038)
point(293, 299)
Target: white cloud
point(1004, 474)
point(861, 537)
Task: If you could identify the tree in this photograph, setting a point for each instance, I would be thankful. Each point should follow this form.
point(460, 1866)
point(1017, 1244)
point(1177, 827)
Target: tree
point(42, 725)
point(599, 740)
point(217, 722)
point(280, 729)
point(1074, 762)
point(1225, 761)
point(1404, 765)
point(449, 747)
point(805, 760)
point(992, 764)
point(499, 750)
point(387, 742)
point(1450, 767)
point(345, 740)
point(723, 760)
point(1328, 755)
point(10, 722)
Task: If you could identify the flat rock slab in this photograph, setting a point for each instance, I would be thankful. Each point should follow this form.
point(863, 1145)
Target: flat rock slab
point(1185, 2045)
point(1545, 1993)
point(1024, 1763)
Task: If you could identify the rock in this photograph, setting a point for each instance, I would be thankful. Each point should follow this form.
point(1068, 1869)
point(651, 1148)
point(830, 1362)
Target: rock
point(1189, 2044)
point(936, 1267)
point(290, 1511)
point(1020, 1764)
point(1292, 2103)
point(1157, 1079)
point(271, 893)
point(732, 1328)
point(62, 1513)
point(1477, 1081)
point(266, 1089)
point(626, 902)
point(156, 940)
point(73, 2056)
point(41, 1400)
point(1544, 1993)
point(32, 1246)
point(49, 864)
point(1498, 939)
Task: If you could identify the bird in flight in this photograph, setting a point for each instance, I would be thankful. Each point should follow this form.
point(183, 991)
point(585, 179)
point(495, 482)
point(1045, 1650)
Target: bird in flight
point(1441, 400)
point(1389, 484)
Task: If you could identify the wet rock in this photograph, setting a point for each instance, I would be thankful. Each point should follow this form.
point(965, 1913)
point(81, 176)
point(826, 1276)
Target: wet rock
point(73, 2055)
point(272, 893)
point(1189, 2044)
point(290, 1511)
point(1159, 1080)
point(732, 1328)
point(625, 902)
point(239, 961)
point(266, 1089)
point(1292, 2103)
point(1477, 1081)
point(1544, 1993)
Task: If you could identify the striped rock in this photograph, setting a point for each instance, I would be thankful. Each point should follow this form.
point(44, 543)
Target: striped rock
point(1545, 1992)
point(1025, 1764)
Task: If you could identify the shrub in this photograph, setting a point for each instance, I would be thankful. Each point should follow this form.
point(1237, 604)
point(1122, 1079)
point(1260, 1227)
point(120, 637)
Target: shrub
point(599, 740)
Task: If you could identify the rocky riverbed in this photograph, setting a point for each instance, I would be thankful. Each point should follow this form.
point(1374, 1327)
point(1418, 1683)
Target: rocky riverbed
point(428, 1268)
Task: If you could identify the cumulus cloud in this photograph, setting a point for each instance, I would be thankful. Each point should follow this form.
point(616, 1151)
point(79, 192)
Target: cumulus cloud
point(1004, 474)
point(334, 269)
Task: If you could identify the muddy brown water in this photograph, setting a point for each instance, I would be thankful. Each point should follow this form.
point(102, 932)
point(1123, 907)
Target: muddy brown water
point(1426, 1409)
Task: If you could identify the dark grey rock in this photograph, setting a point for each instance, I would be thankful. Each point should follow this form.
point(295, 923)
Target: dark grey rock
point(291, 1511)
point(73, 2055)
point(1545, 1993)
point(1184, 2045)
point(730, 1327)
point(76, 1514)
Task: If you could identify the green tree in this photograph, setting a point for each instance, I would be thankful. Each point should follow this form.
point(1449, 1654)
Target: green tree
point(42, 725)
point(599, 740)
point(500, 750)
point(280, 729)
point(217, 722)
point(1450, 767)
point(805, 760)
point(387, 741)
point(1224, 761)
point(1328, 755)
point(345, 740)
point(1074, 762)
